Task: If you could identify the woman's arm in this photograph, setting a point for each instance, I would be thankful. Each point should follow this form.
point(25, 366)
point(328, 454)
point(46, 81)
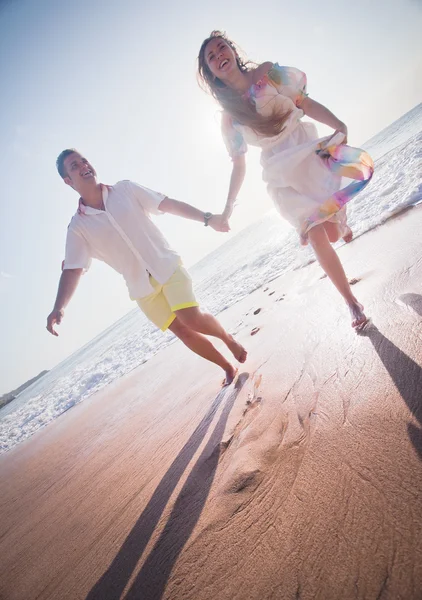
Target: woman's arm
point(320, 113)
point(236, 181)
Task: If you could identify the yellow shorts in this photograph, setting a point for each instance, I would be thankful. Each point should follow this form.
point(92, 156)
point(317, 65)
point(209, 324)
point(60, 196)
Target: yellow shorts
point(175, 294)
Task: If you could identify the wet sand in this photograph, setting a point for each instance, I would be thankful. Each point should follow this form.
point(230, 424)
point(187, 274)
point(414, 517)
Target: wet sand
point(304, 480)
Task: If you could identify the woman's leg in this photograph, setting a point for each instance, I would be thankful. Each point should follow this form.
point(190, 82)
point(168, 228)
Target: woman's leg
point(330, 262)
point(338, 227)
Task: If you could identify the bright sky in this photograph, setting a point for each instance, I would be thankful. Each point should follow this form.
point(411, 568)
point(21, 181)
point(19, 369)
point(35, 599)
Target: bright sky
point(117, 81)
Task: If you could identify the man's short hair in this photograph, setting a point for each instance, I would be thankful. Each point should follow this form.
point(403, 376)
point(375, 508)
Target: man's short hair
point(60, 161)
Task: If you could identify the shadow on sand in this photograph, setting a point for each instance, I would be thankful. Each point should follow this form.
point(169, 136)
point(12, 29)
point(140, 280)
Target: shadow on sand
point(151, 580)
point(404, 371)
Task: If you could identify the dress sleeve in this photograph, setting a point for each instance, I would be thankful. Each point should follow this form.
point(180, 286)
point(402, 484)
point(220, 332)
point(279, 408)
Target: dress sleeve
point(233, 139)
point(290, 82)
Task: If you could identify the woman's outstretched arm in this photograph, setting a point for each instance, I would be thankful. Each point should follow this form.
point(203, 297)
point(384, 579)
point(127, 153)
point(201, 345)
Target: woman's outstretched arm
point(236, 181)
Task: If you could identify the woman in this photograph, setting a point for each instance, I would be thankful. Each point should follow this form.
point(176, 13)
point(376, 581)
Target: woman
point(262, 105)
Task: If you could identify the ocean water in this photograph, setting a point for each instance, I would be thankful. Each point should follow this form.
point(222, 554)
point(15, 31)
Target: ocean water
point(258, 254)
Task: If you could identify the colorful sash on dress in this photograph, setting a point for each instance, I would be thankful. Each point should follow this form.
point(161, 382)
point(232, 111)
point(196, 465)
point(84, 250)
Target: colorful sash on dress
point(345, 161)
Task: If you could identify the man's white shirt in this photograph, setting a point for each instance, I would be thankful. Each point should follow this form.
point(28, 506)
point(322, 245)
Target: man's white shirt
point(123, 236)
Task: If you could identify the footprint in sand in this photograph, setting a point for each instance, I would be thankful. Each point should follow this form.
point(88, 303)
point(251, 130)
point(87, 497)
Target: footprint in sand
point(255, 330)
point(244, 481)
point(251, 403)
point(237, 328)
point(257, 311)
point(253, 396)
point(351, 281)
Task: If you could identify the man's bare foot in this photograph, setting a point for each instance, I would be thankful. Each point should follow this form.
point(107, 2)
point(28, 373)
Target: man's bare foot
point(236, 349)
point(230, 375)
point(348, 234)
point(358, 316)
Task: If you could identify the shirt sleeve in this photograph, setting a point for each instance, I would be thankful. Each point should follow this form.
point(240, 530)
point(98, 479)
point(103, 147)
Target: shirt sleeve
point(77, 254)
point(148, 199)
point(290, 82)
point(233, 139)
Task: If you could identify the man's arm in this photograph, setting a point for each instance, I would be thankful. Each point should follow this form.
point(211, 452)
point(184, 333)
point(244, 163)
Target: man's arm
point(187, 211)
point(67, 285)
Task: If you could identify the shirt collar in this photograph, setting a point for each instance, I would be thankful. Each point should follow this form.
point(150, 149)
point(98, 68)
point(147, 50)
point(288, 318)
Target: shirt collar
point(88, 210)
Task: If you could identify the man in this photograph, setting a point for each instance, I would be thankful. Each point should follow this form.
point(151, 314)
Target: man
point(113, 224)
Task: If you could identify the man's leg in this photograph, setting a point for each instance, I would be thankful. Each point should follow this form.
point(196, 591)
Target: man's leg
point(201, 345)
point(190, 323)
point(206, 324)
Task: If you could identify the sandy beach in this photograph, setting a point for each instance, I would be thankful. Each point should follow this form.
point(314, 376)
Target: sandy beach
point(304, 480)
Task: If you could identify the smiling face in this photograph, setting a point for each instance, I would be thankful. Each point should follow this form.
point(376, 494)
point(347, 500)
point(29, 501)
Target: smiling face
point(80, 174)
point(220, 58)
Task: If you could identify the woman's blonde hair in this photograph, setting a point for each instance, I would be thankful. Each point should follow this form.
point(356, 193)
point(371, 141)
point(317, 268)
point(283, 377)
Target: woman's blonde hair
point(241, 108)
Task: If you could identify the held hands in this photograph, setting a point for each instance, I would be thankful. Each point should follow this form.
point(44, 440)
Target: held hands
point(54, 318)
point(219, 223)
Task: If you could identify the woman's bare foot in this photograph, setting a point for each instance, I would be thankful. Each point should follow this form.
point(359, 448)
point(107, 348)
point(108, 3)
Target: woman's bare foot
point(358, 316)
point(236, 349)
point(348, 234)
point(230, 375)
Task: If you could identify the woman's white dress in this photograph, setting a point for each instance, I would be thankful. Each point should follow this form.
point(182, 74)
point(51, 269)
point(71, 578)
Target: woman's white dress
point(303, 175)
